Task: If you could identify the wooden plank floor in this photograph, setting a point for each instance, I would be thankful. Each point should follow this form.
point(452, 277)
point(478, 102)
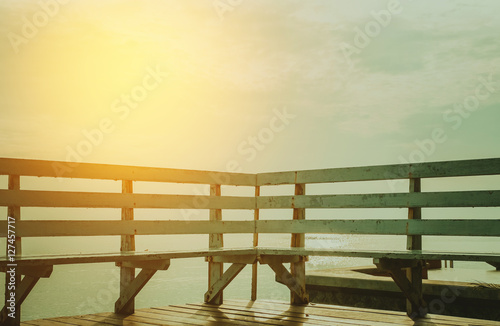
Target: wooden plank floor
point(262, 312)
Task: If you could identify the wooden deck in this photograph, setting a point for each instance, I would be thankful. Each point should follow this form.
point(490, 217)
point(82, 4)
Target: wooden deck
point(262, 312)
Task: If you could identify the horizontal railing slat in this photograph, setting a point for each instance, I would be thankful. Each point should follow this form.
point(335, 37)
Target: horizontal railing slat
point(477, 227)
point(41, 168)
point(31, 198)
point(390, 200)
point(384, 172)
point(383, 227)
point(38, 168)
point(126, 227)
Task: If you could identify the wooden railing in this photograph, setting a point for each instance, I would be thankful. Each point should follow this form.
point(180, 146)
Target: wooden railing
point(414, 227)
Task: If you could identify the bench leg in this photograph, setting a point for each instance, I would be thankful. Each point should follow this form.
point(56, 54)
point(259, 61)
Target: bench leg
point(297, 287)
point(129, 291)
point(219, 285)
point(13, 316)
point(410, 283)
point(417, 307)
point(23, 287)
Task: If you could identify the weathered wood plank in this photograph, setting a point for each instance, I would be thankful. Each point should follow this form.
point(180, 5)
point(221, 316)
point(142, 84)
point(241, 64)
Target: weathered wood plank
point(215, 241)
point(159, 265)
point(277, 314)
point(317, 313)
point(414, 305)
point(384, 172)
point(30, 198)
point(255, 267)
point(38, 168)
point(389, 254)
point(44, 260)
point(129, 291)
point(211, 317)
point(96, 228)
point(223, 281)
point(127, 274)
point(479, 227)
point(238, 312)
point(295, 285)
point(387, 200)
point(239, 259)
point(298, 269)
point(160, 317)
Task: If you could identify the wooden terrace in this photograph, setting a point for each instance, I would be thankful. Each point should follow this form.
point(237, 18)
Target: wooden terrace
point(404, 266)
point(253, 313)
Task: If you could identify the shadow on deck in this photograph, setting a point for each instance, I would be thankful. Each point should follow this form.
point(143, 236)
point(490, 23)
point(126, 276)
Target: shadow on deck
point(262, 312)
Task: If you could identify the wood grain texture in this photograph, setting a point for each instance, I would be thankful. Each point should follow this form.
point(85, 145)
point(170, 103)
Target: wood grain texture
point(50, 228)
point(262, 312)
point(39, 168)
point(384, 172)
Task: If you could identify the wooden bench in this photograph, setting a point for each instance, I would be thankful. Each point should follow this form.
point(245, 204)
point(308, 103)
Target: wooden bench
point(404, 266)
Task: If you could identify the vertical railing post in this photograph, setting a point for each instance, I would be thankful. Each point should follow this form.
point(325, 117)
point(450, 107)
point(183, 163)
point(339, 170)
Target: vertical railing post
point(127, 274)
point(298, 269)
point(215, 269)
point(414, 242)
point(255, 244)
point(13, 212)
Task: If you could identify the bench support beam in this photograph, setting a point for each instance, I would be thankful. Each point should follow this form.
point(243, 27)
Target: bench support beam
point(219, 286)
point(22, 291)
point(412, 290)
point(494, 264)
point(128, 293)
point(283, 276)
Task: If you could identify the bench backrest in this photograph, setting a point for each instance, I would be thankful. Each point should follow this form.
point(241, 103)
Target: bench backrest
point(413, 200)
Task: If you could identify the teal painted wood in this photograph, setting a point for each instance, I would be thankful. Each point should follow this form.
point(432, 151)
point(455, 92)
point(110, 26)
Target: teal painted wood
point(384, 172)
point(476, 227)
point(390, 200)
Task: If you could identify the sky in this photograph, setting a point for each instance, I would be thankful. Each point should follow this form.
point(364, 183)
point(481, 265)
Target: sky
point(249, 85)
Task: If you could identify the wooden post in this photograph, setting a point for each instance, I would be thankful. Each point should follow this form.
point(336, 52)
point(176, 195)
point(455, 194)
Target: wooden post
point(14, 212)
point(127, 274)
point(255, 244)
point(414, 242)
point(215, 269)
point(298, 269)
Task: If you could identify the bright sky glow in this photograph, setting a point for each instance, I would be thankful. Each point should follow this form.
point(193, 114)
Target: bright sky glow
point(223, 71)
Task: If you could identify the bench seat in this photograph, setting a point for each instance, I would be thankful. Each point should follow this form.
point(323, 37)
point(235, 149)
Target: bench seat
point(383, 254)
point(45, 260)
point(57, 259)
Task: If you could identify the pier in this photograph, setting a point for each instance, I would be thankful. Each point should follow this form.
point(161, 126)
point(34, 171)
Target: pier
point(288, 263)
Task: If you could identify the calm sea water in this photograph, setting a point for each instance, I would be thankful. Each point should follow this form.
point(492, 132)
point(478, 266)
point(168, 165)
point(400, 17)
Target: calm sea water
point(91, 288)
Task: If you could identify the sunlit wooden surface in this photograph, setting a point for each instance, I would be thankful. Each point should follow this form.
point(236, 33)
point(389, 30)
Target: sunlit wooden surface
point(240, 312)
